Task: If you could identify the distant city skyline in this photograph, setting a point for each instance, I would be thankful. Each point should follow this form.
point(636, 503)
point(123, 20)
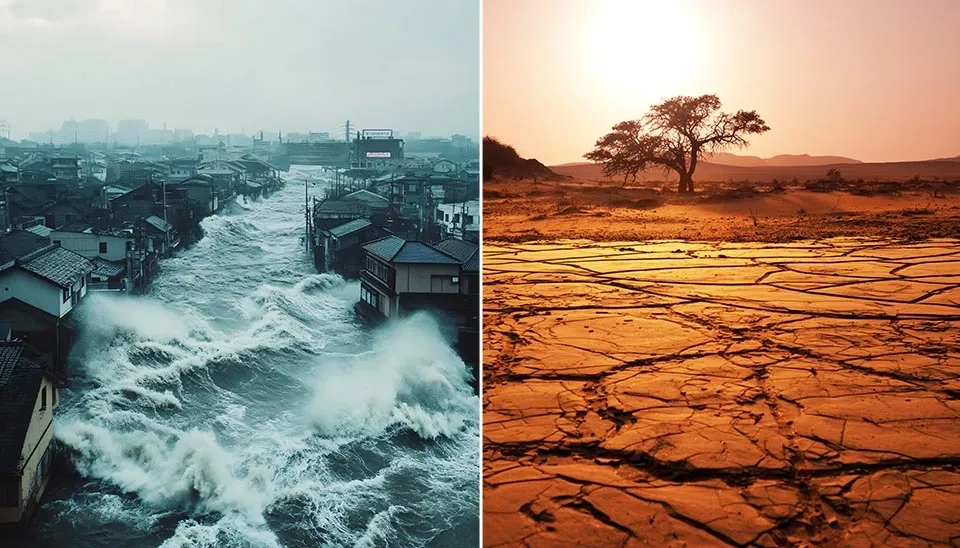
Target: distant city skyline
point(245, 65)
point(335, 134)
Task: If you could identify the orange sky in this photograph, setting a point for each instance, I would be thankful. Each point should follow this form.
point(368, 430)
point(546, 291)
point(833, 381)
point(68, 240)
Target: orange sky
point(876, 80)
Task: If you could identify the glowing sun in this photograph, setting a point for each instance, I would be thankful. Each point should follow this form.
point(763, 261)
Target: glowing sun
point(636, 46)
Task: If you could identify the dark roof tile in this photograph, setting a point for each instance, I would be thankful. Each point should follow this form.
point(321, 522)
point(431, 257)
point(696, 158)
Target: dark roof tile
point(58, 265)
point(458, 248)
point(385, 248)
point(350, 227)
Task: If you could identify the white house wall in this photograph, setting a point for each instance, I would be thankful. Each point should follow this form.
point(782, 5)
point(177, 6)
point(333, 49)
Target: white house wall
point(88, 245)
point(32, 290)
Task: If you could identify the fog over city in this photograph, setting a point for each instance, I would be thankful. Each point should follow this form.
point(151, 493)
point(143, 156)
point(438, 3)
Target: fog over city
point(240, 66)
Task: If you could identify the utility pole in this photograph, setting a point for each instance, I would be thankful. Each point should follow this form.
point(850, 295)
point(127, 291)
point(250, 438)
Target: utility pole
point(306, 206)
point(166, 233)
point(348, 132)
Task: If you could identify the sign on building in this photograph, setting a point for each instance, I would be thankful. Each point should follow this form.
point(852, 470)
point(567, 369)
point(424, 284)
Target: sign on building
point(378, 155)
point(377, 133)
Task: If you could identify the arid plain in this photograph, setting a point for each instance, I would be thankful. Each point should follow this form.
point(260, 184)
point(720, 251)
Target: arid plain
point(760, 364)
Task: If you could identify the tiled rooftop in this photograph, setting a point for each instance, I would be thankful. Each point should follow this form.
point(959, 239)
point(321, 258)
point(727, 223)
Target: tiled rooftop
point(458, 248)
point(397, 250)
point(59, 266)
point(349, 227)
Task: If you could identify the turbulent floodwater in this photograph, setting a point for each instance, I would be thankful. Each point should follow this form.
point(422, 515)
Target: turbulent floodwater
point(240, 404)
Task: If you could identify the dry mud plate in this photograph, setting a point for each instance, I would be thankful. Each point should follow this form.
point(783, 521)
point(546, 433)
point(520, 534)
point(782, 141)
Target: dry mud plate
point(679, 394)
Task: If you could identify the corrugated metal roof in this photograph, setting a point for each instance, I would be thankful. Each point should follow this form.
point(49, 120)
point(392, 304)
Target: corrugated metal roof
point(364, 195)
point(59, 266)
point(349, 227)
point(158, 223)
point(40, 230)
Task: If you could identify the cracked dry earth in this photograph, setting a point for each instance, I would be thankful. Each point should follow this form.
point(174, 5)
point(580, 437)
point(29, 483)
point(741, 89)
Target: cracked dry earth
point(697, 394)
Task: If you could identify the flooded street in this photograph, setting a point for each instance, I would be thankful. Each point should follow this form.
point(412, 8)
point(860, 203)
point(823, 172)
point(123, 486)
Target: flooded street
point(241, 404)
point(697, 394)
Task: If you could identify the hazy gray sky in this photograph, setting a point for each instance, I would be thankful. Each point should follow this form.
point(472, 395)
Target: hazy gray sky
point(295, 65)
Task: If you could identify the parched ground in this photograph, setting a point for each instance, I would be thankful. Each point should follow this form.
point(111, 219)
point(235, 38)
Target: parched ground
point(697, 394)
point(524, 210)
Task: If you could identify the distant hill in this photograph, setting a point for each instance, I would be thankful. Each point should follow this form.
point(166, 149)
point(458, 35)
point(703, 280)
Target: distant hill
point(945, 169)
point(781, 160)
point(502, 161)
point(728, 159)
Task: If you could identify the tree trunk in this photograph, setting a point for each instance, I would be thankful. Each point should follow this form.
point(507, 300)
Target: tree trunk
point(686, 184)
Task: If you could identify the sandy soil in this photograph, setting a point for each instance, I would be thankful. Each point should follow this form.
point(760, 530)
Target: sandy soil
point(706, 394)
point(520, 211)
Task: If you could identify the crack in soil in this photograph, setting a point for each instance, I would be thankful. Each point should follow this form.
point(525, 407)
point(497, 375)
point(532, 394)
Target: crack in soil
point(698, 394)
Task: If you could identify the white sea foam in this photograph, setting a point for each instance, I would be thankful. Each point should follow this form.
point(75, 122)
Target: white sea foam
point(239, 422)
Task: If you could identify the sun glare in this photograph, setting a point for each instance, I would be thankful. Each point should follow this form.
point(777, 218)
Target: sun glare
point(642, 46)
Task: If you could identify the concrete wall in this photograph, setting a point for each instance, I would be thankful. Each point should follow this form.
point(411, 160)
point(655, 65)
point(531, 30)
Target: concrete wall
point(418, 278)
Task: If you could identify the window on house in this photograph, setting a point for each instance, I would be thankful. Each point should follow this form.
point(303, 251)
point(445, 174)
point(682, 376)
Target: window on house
point(53, 392)
point(66, 295)
point(369, 297)
point(103, 247)
point(454, 279)
point(56, 242)
point(43, 398)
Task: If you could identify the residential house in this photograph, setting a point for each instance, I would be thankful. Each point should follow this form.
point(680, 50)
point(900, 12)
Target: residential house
point(24, 242)
point(339, 250)
point(460, 220)
point(181, 168)
point(160, 235)
point(64, 211)
point(374, 202)
point(38, 293)
point(355, 205)
point(9, 174)
point(124, 258)
point(468, 253)
point(471, 176)
point(400, 277)
point(66, 169)
point(201, 194)
point(468, 336)
point(28, 398)
point(225, 182)
point(445, 166)
point(445, 189)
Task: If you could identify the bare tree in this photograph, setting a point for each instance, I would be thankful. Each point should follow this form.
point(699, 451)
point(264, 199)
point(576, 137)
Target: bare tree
point(674, 135)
